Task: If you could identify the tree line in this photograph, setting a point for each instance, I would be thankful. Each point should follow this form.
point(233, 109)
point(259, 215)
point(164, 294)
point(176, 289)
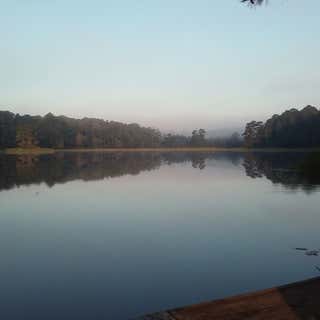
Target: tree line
point(62, 132)
point(291, 129)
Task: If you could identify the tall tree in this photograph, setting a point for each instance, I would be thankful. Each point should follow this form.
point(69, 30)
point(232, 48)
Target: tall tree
point(252, 134)
point(198, 138)
point(7, 129)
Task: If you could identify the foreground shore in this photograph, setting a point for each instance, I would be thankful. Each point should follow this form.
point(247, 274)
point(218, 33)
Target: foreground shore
point(296, 301)
point(39, 151)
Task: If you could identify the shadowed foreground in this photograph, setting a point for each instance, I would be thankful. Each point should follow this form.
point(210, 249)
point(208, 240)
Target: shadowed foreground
point(291, 302)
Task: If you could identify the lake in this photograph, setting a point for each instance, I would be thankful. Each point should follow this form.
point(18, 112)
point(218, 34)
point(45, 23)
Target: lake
point(88, 235)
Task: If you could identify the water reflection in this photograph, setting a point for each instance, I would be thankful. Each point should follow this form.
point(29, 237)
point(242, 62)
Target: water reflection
point(65, 166)
point(170, 236)
point(291, 170)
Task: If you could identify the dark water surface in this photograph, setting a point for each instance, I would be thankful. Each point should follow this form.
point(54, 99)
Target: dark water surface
point(116, 235)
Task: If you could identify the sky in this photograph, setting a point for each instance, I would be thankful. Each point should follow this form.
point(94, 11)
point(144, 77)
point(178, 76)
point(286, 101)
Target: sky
point(175, 65)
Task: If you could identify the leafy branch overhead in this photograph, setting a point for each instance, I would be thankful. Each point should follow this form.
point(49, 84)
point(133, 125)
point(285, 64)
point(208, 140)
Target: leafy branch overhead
point(254, 2)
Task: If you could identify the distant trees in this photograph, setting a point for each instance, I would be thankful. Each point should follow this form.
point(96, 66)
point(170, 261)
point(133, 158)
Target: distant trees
point(63, 132)
point(7, 130)
point(25, 137)
point(233, 141)
point(253, 133)
point(51, 132)
point(175, 141)
point(198, 138)
point(291, 129)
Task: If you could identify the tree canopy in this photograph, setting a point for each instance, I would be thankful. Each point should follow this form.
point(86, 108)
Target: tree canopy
point(62, 132)
point(254, 2)
point(291, 129)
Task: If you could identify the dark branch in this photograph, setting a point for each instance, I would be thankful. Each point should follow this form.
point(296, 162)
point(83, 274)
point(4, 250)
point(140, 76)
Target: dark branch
point(254, 2)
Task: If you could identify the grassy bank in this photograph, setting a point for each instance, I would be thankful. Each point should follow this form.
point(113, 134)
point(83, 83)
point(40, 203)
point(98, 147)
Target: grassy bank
point(22, 151)
point(189, 149)
point(39, 151)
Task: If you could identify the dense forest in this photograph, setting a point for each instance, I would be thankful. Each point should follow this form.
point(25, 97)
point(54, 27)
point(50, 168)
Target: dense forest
point(291, 129)
point(62, 132)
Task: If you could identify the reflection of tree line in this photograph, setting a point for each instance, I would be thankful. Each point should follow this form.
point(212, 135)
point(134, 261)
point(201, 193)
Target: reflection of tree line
point(292, 170)
point(63, 167)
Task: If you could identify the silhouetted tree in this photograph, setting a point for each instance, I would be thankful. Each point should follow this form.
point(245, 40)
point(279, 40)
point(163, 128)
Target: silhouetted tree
point(198, 138)
point(291, 129)
point(254, 2)
point(7, 129)
point(252, 134)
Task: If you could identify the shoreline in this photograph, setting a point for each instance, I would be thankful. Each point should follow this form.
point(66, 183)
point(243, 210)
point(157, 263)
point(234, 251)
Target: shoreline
point(298, 300)
point(26, 151)
point(40, 151)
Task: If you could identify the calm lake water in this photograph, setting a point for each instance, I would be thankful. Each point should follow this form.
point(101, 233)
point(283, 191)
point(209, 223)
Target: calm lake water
point(117, 235)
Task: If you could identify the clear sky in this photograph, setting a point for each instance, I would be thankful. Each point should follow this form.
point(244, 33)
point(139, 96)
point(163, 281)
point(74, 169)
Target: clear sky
point(170, 64)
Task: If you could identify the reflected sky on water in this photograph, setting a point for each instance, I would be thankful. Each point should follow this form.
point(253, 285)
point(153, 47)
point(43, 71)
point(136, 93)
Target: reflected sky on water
point(117, 235)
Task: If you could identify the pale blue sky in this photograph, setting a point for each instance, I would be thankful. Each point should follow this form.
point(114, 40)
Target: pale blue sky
point(170, 64)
